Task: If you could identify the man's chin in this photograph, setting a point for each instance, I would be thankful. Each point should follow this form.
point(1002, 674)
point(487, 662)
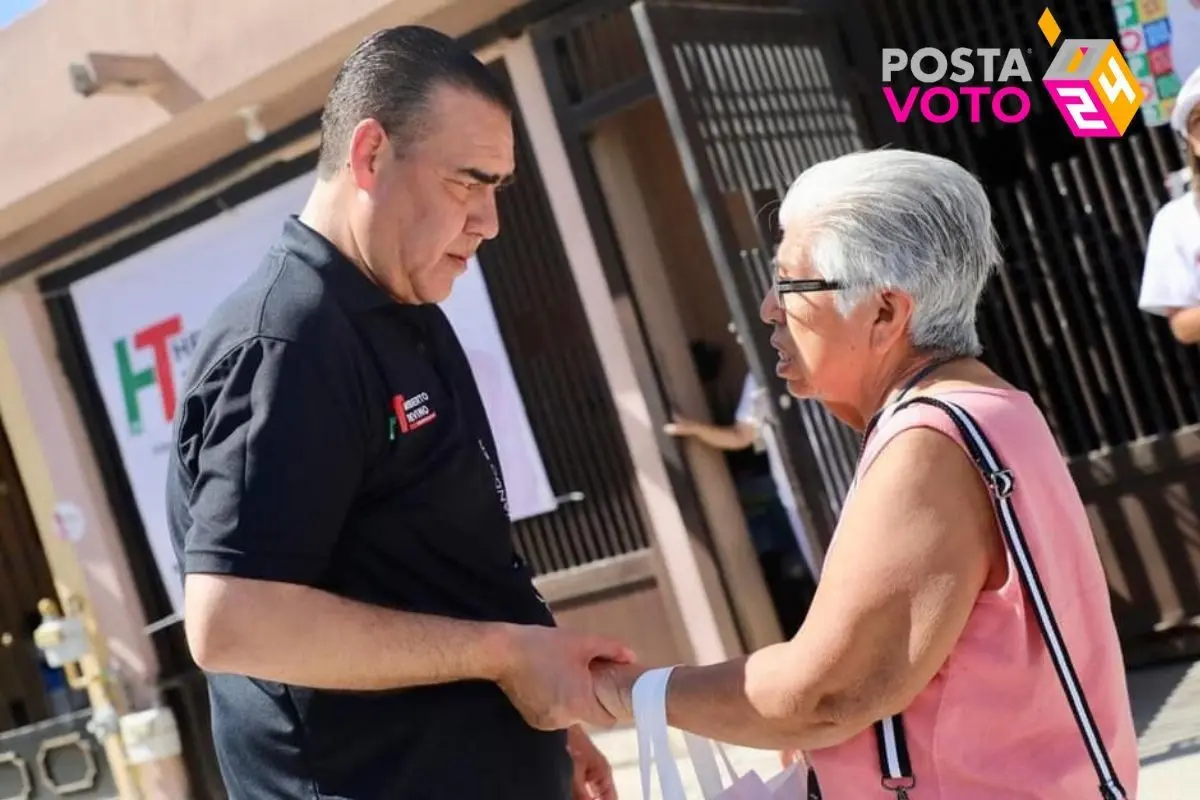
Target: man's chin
point(436, 294)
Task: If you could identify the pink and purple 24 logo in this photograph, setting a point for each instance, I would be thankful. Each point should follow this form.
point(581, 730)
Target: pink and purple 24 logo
point(1089, 81)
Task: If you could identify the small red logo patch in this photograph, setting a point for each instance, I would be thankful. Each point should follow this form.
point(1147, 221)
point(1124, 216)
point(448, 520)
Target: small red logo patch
point(412, 412)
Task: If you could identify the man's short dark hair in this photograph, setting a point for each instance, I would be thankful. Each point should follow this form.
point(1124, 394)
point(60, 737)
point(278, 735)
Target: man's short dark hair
point(390, 77)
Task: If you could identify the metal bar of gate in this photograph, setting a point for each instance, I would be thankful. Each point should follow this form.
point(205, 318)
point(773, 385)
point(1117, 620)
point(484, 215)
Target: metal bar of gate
point(1008, 213)
point(1108, 326)
point(762, 108)
point(1126, 235)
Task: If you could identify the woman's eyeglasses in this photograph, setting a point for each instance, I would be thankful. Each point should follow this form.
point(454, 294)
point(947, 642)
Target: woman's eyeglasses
point(784, 286)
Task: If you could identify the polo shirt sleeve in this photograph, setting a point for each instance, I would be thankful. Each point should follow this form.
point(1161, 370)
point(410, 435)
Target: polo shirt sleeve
point(1169, 280)
point(276, 451)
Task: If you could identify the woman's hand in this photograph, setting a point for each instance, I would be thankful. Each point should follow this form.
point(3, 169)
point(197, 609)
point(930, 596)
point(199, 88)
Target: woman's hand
point(613, 685)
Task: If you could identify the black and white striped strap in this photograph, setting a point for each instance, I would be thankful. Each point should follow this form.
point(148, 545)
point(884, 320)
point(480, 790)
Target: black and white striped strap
point(893, 753)
point(894, 765)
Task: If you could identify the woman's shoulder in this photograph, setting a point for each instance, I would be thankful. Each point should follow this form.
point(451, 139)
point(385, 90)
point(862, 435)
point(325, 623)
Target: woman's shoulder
point(1000, 411)
point(1007, 419)
point(972, 385)
point(983, 403)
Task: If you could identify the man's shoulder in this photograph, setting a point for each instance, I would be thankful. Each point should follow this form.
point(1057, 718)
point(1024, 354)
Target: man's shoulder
point(283, 300)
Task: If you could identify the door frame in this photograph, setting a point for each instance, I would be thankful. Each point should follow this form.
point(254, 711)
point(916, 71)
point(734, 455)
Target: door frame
point(754, 615)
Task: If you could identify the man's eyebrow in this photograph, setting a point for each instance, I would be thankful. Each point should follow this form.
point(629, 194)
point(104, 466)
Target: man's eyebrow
point(486, 177)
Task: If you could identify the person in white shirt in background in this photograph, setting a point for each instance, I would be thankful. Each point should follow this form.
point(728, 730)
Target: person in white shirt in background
point(1171, 279)
point(752, 427)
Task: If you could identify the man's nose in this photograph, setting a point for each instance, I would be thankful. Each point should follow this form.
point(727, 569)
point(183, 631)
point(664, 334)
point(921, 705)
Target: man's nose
point(484, 219)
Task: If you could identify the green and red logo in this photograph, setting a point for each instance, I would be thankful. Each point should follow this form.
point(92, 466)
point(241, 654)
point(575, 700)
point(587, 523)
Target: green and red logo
point(165, 345)
point(409, 413)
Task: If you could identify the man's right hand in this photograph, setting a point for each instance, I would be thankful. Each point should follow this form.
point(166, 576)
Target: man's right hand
point(548, 676)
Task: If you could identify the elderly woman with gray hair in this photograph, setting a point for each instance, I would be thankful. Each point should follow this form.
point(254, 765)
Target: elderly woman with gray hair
point(961, 644)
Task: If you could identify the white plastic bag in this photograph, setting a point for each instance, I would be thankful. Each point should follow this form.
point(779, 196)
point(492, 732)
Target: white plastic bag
point(654, 755)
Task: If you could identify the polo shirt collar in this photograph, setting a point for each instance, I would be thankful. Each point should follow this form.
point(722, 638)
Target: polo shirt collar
point(349, 284)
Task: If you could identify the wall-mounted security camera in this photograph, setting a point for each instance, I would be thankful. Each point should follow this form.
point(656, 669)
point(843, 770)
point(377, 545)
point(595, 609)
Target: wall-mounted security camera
point(114, 73)
point(83, 80)
point(139, 75)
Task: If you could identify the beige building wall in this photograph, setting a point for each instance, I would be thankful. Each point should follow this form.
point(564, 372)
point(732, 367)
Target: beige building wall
point(69, 160)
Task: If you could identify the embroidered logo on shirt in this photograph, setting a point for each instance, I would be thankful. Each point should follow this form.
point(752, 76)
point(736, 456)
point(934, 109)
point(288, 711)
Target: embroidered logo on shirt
point(410, 413)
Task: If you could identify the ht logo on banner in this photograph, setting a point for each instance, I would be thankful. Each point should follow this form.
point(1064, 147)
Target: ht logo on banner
point(1089, 81)
point(164, 346)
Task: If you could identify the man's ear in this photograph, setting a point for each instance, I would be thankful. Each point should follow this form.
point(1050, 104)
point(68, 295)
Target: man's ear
point(368, 143)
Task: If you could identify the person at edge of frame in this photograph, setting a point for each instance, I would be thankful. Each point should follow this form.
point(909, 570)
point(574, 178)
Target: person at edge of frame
point(352, 591)
point(1171, 276)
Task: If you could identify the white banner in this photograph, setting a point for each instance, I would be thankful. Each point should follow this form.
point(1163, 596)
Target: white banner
point(141, 317)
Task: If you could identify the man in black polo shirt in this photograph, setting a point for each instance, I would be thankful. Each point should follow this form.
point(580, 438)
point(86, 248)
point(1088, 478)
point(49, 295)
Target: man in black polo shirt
point(336, 502)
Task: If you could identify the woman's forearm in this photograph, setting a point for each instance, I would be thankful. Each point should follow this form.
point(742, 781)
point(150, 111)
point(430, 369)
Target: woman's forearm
point(753, 702)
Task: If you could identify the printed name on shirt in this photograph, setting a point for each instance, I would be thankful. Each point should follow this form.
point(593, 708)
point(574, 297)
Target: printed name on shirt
point(410, 413)
point(501, 492)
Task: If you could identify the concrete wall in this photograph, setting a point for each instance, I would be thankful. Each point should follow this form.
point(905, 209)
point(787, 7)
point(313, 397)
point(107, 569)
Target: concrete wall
point(68, 160)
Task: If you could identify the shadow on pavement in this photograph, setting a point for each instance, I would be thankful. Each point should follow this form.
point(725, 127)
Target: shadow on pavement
point(1166, 710)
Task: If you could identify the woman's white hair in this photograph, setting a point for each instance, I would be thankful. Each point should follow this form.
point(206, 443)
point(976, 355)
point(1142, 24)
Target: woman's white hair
point(898, 219)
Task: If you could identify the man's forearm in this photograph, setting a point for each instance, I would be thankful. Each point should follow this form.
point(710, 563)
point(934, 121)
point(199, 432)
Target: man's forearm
point(307, 637)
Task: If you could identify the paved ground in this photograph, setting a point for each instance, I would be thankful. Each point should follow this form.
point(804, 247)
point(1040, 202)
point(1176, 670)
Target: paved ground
point(1166, 703)
point(1166, 707)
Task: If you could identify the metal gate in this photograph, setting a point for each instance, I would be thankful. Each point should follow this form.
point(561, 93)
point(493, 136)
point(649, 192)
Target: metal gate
point(58, 757)
point(754, 95)
point(46, 749)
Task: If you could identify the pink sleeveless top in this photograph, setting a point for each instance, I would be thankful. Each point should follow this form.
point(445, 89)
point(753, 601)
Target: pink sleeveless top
point(994, 723)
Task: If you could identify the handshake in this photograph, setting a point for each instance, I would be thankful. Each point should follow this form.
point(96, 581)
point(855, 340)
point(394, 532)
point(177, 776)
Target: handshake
point(556, 678)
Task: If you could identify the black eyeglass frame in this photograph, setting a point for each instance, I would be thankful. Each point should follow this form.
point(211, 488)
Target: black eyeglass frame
point(784, 286)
